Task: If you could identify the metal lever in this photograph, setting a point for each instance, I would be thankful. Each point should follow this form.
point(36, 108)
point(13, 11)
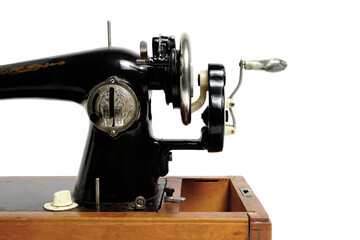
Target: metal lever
point(172, 199)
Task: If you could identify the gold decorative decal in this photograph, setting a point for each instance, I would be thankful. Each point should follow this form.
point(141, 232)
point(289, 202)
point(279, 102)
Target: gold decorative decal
point(30, 68)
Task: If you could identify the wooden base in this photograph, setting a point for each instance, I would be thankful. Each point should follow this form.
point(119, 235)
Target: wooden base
point(216, 208)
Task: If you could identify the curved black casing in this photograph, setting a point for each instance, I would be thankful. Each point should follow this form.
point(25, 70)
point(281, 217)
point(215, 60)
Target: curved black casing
point(127, 165)
point(216, 109)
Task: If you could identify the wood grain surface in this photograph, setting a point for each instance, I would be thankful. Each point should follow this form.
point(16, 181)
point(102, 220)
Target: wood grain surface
point(215, 209)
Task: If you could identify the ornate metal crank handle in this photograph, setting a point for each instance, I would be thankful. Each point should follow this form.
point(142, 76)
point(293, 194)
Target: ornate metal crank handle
point(269, 65)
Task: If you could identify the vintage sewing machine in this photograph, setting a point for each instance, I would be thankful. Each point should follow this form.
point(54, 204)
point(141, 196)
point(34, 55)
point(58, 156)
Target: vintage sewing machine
point(121, 189)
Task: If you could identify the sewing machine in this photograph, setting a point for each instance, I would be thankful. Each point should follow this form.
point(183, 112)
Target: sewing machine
point(119, 188)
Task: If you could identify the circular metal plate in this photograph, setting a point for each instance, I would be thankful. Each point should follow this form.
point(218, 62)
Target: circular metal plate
point(113, 106)
point(185, 79)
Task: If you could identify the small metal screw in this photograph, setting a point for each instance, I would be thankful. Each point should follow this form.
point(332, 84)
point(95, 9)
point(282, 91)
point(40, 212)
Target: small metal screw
point(140, 202)
point(112, 132)
point(232, 104)
point(112, 80)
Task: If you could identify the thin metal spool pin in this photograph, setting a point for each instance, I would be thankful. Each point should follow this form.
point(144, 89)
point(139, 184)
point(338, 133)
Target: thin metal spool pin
point(109, 34)
point(97, 193)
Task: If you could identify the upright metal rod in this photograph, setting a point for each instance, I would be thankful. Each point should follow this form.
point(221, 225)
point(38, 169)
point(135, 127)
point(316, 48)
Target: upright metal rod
point(97, 192)
point(109, 33)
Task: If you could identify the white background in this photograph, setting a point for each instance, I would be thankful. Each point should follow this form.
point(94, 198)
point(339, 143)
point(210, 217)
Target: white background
point(298, 135)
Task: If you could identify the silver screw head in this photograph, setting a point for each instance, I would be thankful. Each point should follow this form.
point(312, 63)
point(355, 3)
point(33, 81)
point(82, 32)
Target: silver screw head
point(140, 202)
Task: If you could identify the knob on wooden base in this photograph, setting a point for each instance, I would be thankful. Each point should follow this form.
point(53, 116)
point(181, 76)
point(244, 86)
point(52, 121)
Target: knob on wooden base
point(62, 202)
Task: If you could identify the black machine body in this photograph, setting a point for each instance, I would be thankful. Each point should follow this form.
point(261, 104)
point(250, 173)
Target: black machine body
point(114, 84)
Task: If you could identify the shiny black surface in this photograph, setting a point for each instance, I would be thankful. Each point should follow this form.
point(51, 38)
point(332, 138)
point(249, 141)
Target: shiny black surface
point(124, 171)
point(74, 79)
point(19, 194)
point(127, 165)
point(216, 109)
point(29, 194)
point(165, 66)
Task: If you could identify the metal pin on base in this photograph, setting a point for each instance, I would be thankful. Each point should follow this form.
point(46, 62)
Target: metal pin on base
point(97, 193)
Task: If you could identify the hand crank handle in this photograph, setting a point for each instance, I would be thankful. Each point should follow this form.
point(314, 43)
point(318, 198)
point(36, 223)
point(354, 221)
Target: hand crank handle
point(269, 65)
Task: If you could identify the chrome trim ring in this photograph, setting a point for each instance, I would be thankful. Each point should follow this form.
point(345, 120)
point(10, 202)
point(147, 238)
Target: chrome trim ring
point(185, 79)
